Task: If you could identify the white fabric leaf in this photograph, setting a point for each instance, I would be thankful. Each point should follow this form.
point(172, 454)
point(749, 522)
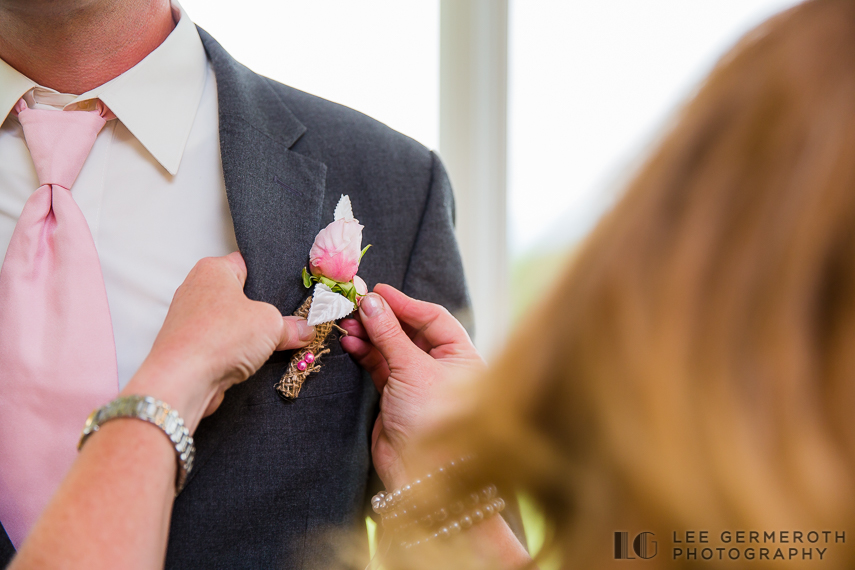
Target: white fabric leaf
point(344, 209)
point(328, 306)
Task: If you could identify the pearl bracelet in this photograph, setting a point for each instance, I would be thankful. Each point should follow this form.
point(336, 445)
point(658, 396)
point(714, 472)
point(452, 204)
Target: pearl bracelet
point(402, 509)
point(456, 526)
point(486, 495)
point(383, 501)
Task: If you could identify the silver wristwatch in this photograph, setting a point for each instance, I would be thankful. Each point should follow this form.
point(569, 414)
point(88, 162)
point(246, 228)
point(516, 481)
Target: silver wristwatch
point(154, 411)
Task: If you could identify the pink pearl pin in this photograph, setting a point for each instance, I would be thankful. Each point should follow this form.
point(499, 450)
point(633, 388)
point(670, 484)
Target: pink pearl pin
point(301, 366)
point(309, 358)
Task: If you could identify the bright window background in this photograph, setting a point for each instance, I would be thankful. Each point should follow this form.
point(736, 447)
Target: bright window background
point(380, 57)
point(591, 85)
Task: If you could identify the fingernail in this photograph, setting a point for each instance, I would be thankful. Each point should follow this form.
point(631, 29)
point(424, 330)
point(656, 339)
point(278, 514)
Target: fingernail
point(371, 305)
point(304, 331)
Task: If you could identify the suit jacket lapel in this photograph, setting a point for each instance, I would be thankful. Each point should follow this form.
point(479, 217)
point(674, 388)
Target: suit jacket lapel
point(275, 196)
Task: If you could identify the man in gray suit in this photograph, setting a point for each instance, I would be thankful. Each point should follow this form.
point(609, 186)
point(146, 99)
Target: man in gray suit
point(270, 475)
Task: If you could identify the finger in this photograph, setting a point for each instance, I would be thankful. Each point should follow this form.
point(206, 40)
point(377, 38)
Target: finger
point(385, 332)
point(417, 337)
point(296, 333)
point(237, 265)
point(368, 358)
point(427, 321)
point(354, 328)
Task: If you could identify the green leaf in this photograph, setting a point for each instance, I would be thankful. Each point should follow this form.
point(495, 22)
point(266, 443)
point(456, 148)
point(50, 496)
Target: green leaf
point(307, 279)
point(363, 252)
point(346, 288)
point(328, 282)
point(351, 295)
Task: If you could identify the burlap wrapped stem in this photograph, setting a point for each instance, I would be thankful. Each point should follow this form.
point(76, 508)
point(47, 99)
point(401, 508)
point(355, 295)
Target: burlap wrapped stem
point(292, 381)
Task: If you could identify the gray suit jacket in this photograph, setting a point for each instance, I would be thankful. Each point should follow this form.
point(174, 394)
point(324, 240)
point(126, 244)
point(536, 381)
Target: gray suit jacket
point(272, 475)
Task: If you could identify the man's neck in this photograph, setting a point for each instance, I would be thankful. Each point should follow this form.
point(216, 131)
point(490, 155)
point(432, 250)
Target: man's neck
point(74, 46)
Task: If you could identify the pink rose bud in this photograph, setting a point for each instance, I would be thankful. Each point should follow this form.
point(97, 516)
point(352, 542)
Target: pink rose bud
point(335, 253)
point(361, 288)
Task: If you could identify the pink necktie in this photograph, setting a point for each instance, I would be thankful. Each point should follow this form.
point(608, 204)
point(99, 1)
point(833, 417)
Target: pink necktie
point(57, 353)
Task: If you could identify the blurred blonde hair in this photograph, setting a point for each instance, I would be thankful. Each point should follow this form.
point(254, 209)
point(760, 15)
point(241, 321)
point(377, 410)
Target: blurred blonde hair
point(695, 366)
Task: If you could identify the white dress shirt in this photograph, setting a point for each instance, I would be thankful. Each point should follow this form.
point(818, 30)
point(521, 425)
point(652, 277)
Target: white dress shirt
point(151, 189)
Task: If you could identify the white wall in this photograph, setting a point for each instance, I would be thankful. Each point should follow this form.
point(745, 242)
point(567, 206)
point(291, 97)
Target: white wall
point(380, 57)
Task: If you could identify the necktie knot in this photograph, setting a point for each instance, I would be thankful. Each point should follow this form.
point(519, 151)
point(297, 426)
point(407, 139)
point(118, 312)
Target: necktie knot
point(60, 141)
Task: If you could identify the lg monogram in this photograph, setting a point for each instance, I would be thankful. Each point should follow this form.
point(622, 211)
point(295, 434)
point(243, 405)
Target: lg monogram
point(642, 547)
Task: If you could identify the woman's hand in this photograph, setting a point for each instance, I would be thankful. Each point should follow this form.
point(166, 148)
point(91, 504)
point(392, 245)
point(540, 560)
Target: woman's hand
point(213, 337)
point(116, 502)
point(411, 349)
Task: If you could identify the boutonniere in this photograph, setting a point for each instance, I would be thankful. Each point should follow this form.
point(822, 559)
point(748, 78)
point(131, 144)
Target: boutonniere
point(333, 263)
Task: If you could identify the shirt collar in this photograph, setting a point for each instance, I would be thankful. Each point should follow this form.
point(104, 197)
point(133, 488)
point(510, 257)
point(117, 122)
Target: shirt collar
point(13, 85)
point(156, 99)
